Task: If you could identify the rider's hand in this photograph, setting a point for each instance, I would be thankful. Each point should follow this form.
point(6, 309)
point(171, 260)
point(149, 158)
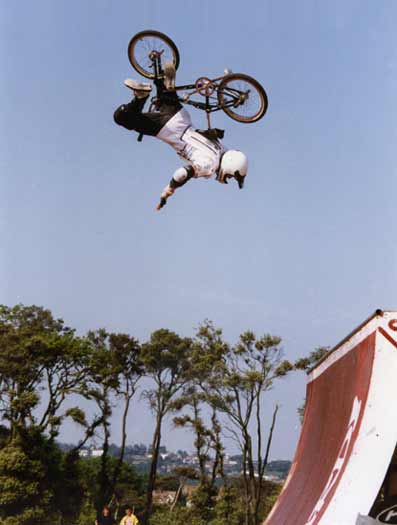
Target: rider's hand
point(161, 204)
point(167, 192)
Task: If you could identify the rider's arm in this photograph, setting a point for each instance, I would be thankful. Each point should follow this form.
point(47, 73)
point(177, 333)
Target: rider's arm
point(180, 177)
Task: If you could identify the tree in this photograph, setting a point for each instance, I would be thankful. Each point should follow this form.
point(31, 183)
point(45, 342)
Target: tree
point(307, 363)
point(24, 494)
point(126, 355)
point(249, 369)
point(38, 484)
point(166, 360)
point(68, 488)
point(114, 373)
point(205, 437)
point(37, 353)
point(229, 508)
point(207, 357)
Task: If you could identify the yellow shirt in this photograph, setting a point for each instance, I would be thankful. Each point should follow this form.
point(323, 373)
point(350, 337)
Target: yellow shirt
point(129, 520)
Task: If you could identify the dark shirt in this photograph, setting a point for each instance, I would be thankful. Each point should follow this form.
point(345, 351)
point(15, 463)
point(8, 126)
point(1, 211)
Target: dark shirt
point(106, 520)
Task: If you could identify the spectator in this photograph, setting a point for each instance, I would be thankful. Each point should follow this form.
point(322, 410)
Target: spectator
point(129, 518)
point(105, 518)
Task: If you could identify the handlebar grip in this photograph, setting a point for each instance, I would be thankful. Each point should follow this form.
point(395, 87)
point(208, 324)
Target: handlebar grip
point(140, 137)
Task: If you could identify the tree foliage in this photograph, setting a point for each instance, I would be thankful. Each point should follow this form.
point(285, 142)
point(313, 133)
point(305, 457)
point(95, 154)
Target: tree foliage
point(38, 484)
point(207, 385)
point(244, 373)
point(165, 358)
point(37, 354)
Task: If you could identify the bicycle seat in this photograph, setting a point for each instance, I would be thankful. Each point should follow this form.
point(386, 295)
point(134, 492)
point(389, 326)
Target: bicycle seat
point(212, 133)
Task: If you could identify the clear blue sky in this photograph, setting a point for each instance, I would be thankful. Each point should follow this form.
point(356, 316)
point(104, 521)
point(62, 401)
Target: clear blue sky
point(306, 251)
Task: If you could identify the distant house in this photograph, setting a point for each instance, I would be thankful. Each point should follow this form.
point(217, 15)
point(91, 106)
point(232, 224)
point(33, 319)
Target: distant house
point(90, 452)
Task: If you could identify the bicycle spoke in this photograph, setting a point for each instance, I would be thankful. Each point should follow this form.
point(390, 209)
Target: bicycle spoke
point(145, 46)
point(148, 47)
point(246, 99)
point(142, 52)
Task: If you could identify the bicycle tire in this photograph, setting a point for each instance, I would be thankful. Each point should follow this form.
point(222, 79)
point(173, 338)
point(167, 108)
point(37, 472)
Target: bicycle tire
point(231, 111)
point(145, 36)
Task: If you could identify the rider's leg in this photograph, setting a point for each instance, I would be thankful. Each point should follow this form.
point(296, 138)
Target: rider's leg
point(166, 86)
point(131, 117)
point(169, 75)
point(128, 115)
point(137, 104)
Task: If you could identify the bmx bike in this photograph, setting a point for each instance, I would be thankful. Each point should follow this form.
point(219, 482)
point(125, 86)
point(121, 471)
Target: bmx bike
point(240, 96)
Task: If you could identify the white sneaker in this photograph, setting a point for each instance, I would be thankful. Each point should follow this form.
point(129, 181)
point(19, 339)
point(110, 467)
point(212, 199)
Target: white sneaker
point(169, 75)
point(140, 88)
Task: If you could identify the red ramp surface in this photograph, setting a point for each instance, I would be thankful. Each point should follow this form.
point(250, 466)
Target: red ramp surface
point(349, 430)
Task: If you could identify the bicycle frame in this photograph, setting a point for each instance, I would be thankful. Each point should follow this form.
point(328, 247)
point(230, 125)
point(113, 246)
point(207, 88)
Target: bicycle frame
point(203, 86)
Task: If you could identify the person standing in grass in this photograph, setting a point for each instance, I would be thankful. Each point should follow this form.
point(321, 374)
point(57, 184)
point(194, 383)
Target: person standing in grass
point(105, 518)
point(129, 518)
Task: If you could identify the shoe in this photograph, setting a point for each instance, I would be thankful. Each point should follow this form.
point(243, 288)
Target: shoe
point(169, 75)
point(140, 88)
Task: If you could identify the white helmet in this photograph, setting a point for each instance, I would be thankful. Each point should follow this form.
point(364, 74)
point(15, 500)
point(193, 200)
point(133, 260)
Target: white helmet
point(234, 164)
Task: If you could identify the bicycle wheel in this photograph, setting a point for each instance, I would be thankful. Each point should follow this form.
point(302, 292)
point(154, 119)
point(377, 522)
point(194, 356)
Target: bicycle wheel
point(141, 46)
point(242, 98)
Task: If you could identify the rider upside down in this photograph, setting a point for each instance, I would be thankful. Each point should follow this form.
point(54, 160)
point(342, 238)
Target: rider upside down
point(202, 150)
